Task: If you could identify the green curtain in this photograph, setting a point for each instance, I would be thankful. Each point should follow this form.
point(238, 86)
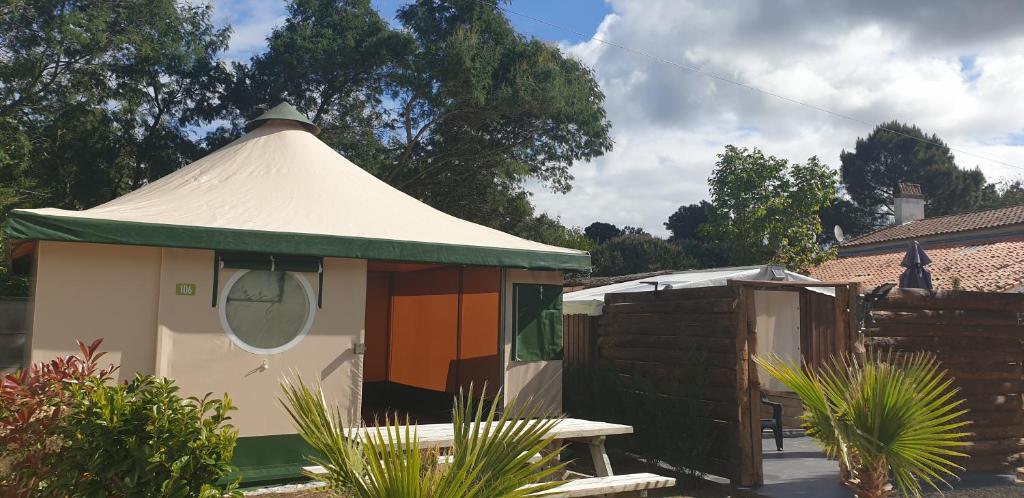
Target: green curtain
point(538, 322)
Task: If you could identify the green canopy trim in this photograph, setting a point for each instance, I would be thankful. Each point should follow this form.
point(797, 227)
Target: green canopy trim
point(34, 226)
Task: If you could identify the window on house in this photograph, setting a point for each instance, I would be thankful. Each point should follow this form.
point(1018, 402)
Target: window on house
point(537, 320)
point(267, 312)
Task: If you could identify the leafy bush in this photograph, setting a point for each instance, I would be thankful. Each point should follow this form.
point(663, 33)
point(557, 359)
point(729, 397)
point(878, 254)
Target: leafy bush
point(32, 404)
point(490, 457)
point(142, 439)
point(69, 431)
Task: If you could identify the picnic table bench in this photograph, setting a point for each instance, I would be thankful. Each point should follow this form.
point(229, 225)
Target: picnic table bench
point(589, 432)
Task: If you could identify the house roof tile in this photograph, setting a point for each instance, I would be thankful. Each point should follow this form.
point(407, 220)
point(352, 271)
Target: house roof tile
point(993, 267)
point(942, 225)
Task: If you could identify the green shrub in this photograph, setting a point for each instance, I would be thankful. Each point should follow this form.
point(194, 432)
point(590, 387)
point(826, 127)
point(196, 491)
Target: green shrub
point(32, 404)
point(67, 430)
point(142, 439)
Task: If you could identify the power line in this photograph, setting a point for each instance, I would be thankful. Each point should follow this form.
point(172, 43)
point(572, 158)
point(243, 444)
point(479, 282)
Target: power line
point(725, 79)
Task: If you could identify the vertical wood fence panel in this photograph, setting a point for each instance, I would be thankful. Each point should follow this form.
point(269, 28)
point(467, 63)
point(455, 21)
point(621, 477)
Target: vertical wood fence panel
point(979, 337)
point(579, 341)
point(651, 333)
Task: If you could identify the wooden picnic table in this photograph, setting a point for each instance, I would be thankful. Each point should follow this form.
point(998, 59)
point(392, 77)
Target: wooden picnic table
point(569, 429)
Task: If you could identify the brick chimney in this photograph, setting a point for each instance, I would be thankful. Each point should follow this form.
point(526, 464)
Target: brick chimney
point(909, 203)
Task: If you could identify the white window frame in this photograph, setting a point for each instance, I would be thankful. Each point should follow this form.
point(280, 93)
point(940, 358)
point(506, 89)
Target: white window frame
point(310, 317)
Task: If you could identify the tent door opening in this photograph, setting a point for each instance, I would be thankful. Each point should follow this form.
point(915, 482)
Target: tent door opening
point(431, 330)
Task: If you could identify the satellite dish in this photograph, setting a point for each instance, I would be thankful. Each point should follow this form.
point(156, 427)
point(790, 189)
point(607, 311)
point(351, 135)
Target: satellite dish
point(838, 232)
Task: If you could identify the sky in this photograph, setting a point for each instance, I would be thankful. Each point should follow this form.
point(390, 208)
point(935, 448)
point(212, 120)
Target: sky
point(955, 69)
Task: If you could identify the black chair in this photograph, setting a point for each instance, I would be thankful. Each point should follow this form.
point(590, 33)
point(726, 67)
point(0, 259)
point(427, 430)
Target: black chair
point(774, 423)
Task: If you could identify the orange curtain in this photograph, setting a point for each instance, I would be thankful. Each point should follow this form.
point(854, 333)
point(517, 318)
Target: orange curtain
point(438, 328)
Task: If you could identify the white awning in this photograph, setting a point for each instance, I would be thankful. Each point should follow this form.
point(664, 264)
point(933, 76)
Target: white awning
point(591, 301)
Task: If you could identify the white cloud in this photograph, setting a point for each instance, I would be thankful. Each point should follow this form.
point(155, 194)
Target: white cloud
point(874, 61)
point(251, 23)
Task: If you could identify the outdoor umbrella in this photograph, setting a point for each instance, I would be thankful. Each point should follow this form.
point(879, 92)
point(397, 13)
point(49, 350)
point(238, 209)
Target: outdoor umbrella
point(915, 276)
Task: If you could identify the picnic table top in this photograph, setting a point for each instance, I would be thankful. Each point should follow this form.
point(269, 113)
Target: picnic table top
point(443, 435)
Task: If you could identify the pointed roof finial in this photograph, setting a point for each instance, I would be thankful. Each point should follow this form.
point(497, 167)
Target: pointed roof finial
point(284, 111)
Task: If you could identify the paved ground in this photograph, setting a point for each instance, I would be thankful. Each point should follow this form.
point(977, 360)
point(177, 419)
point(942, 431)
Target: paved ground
point(801, 470)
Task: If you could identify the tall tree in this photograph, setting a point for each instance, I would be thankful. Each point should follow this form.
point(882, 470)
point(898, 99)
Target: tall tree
point(455, 108)
point(878, 163)
point(686, 221)
point(97, 98)
point(765, 210)
point(601, 232)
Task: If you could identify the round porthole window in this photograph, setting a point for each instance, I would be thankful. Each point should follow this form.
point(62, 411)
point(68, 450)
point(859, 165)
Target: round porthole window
point(267, 312)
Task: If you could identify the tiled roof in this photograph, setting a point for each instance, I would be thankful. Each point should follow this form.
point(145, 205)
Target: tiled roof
point(994, 267)
point(943, 224)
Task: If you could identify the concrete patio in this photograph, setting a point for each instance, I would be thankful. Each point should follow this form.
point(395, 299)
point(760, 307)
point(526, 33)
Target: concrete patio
point(802, 470)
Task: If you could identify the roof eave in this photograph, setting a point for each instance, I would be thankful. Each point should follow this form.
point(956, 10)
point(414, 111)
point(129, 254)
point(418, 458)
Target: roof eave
point(27, 225)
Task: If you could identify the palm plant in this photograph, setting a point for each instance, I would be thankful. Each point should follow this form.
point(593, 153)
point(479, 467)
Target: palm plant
point(890, 420)
point(492, 455)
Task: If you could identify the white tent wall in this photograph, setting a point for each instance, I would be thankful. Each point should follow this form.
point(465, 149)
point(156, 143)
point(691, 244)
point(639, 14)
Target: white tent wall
point(88, 291)
point(201, 357)
point(126, 295)
point(539, 382)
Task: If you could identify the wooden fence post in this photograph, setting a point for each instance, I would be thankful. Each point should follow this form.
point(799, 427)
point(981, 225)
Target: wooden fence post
point(746, 416)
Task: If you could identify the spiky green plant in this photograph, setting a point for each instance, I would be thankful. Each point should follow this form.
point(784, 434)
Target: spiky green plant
point(890, 420)
point(491, 456)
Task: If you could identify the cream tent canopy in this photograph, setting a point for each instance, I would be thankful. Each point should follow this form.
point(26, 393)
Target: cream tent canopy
point(279, 189)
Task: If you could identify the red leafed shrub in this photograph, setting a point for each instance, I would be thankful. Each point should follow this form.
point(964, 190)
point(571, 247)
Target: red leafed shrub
point(32, 402)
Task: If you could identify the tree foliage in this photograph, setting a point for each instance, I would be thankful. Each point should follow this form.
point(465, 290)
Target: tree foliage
point(601, 232)
point(765, 210)
point(551, 231)
point(872, 171)
point(685, 223)
point(638, 253)
point(455, 107)
point(96, 98)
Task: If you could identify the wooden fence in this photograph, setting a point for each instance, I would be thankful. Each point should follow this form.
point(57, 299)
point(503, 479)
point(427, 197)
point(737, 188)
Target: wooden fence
point(648, 334)
point(579, 337)
point(979, 337)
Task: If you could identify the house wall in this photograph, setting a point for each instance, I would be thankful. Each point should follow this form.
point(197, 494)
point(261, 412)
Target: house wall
point(539, 381)
point(126, 294)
